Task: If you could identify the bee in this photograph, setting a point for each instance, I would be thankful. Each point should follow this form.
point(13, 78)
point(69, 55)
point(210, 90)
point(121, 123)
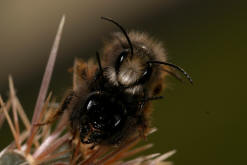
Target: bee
point(111, 99)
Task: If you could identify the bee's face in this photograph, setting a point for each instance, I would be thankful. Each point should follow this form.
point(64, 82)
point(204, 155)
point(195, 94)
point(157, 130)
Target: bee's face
point(130, 70)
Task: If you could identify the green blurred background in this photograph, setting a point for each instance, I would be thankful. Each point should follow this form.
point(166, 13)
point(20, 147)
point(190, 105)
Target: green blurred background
point(206, 122)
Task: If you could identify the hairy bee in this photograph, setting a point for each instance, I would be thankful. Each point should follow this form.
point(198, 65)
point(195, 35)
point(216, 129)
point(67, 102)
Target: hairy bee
point(111, 100)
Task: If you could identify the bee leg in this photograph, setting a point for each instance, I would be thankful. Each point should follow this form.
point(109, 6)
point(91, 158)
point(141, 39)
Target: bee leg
point(141, 133)
point(75, 151)
point(142, 129)
point(152, 98)
point(60, 110)
point(74, 135)
point(92, 147)
point(95, 137)
point(84, 131)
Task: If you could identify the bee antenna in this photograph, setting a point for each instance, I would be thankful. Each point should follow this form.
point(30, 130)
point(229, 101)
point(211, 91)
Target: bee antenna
point(122, 29)
point(98, 60)
point(176, 67)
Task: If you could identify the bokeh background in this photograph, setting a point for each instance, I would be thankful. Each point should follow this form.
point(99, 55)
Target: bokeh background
point(206, 122)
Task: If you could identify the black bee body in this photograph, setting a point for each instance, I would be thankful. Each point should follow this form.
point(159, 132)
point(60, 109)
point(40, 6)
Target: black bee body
point(106, 111)
point(111, 101)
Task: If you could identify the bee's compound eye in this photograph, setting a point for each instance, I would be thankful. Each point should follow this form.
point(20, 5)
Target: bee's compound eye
point(123, 55)
point(146, 74)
